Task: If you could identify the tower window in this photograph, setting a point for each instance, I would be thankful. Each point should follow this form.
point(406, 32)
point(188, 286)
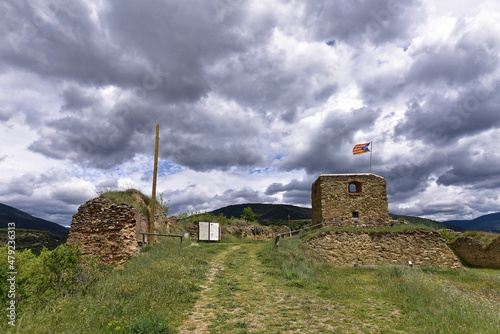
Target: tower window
point(355, 187)
point(355, 214)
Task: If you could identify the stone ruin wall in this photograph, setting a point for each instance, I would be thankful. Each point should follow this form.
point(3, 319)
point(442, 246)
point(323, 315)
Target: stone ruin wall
point(111, 230)
point(107, 229)
point(473, 252)
point(423, 248)
point(333, 204)
point(252, 232)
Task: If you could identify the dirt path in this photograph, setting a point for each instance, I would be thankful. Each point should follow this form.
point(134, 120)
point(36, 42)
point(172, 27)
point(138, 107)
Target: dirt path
point(240, 298)
point(200, 318)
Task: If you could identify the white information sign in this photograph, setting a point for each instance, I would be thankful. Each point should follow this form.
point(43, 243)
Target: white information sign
point(204, 231)
point(209, 231)
point(214, 232)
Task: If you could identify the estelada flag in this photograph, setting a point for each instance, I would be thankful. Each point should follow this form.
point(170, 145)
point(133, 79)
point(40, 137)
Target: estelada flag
point(360, 149)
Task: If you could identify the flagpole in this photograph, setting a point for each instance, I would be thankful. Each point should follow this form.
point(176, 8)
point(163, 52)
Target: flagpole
point(371, 151)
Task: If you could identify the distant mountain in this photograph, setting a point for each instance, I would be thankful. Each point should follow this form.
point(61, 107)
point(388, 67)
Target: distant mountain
point(489, 222)
point(267, 212)
point(24, 220)
point(33, 239)
point(428, 222)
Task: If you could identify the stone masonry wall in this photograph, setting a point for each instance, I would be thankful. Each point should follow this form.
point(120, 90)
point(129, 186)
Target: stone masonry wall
point(106, 229)
point(423, 248)
point(473, 252)
point(253, 232)
point(332, 202)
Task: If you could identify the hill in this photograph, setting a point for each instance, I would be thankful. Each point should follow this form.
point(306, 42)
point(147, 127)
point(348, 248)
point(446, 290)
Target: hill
point(428, 222)
point(490, 222)
point(267, 212)
point(33, 239)
point(24, 220)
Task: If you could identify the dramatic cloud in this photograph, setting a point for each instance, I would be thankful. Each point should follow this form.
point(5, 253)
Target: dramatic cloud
point(254, 101)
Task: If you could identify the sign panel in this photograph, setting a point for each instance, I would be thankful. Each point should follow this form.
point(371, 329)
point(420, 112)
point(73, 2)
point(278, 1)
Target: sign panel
point(208, 231)
point(203, 232)
point(214, 232)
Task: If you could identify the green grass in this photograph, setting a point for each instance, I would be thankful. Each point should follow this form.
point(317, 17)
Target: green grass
point(485, 237)
point(258, 288)
point(390, 298)
point(149, 294)
point(131, 197)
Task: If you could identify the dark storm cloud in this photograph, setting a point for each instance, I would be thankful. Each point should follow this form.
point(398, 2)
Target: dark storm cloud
point(228, 80)
point(48, 209)
point(295, 192)
point(322, 155)
point(243, 195)
point(468, 167)
point(203, 157)
point(355, 22)
point(193, 198)
point(25, 184)
point(454, 64)
point(59, 41)
point(5, 114)
point(295, 184)
point(189, 136)
point(69, 196)
point(129, 44)
point(76, 100)
point(266, 84)
point(471, 175)
point(439, 119)
point(17, 187)
point(406, 179)
point(156, 53)
point(91, 142)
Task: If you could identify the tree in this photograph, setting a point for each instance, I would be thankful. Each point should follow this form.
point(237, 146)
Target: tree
point(248, 215)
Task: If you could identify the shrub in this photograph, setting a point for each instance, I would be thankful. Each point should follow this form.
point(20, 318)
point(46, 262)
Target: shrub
point(248, 215)
point(54, 273)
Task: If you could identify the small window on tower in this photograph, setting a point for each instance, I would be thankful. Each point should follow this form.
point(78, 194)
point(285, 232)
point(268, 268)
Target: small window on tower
point(355, 187)
point(355, 214)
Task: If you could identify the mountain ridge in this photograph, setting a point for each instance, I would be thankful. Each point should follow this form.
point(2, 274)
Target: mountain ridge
point(24, 220)
point(488, 222)
point(266, 212)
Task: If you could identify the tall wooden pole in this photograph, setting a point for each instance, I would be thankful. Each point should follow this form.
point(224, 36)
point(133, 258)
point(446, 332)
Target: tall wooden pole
point(153, 196)
point(371, 151)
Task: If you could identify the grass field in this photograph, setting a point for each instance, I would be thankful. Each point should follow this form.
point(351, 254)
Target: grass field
point(253, 287)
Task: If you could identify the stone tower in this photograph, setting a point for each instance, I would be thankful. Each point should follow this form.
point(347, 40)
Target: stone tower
point(350, 200)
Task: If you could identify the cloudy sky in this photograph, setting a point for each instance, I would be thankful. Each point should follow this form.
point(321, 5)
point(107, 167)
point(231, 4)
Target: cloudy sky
point(254, 100)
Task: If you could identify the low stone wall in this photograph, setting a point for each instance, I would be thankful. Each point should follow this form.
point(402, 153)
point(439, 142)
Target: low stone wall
point(106, 229)
point(474, 253)
point(422, 248)
point(250, 231)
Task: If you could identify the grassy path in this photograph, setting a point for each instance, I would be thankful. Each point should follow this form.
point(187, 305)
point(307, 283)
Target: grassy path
point(239, 297)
